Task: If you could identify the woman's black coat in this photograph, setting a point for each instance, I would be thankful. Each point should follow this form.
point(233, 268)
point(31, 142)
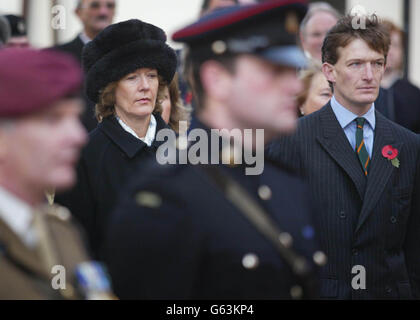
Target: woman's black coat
point(106, 164)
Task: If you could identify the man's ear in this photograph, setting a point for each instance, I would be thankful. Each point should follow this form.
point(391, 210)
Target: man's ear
point(216, 80)
point(329, 71)
point(78, 11)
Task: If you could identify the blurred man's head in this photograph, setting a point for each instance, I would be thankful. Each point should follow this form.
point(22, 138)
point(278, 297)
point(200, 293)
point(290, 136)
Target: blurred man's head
point(95, 15)
point(4, 31)
point(395, 59)
point(40, 131)
point(210, 5)
point(354, 61)
point(243, 64)
point(18, 36)
point(320, 18)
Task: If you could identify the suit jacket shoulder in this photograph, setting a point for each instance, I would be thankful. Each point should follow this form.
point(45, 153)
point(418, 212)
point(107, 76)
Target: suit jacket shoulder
point(73, 47)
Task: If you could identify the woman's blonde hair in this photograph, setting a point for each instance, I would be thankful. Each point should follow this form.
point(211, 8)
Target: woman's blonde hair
point(106, 105)
point(179, 112)
point(306, 76)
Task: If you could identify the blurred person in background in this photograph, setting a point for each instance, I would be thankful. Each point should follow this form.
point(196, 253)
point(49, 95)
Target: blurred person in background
point(4, 31)
point(210, 5)
point(316, 90)
point(40, 141)
point(127, 65)
point(18, 37)
point(320, 18)
point(400, 101)
point(95, 15)
point(173, 109)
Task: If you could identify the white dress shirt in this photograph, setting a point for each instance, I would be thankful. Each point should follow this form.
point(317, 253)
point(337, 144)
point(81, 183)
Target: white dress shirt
point(150, 134)
point(18, 215)
point(346, 118)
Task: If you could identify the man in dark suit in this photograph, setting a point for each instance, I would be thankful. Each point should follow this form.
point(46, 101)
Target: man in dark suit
point(201, 231)
point(364, 172)
point(95, 16)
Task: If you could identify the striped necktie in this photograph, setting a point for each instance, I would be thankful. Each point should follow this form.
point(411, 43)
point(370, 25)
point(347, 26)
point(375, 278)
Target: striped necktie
point(361, 150)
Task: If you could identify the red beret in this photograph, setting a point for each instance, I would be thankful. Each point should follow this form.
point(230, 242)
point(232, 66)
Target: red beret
point(31, 80)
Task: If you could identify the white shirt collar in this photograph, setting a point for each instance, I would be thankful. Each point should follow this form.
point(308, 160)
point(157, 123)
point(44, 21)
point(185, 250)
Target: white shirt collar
point(345, 116)
point(150, 134)
point(85, 39)
point(17, 215)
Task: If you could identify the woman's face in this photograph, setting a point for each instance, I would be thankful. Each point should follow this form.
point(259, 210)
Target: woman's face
point(319, 94)
point(135, 95)
point(166, 105)
point(395, 53)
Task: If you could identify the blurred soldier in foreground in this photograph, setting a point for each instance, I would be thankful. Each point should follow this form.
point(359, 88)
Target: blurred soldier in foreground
point(41, 252)
point(202, 231)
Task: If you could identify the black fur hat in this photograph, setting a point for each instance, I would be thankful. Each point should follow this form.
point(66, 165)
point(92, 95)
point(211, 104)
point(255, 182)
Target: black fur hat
point(122, 48)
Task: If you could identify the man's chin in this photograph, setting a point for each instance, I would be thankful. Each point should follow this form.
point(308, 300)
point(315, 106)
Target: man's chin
point(366, 99)
point(64, 180)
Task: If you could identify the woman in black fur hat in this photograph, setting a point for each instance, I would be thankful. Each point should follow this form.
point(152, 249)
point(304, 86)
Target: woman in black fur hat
point(127, 65)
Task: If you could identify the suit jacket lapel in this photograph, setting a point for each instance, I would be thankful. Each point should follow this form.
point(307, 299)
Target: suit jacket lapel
point(335, 142)
point(380, 169)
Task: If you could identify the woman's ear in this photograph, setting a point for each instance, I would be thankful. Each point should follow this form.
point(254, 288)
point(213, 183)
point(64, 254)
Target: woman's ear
point(216, 80)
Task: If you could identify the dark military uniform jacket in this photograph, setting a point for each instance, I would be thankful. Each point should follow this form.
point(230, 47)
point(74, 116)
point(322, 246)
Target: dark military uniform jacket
point(26, 273)
point(176, 236)
point(372, 221)
point(106, 164)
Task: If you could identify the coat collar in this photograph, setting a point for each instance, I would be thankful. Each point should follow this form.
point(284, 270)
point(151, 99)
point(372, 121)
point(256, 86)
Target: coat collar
point(129, 144)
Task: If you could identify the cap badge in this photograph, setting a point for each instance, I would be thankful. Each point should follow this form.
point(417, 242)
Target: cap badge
point(219, 47)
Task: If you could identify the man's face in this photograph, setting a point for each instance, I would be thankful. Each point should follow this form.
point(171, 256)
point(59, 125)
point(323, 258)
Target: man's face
point(41, 150)
point(263, 96)
point(357, 74)
point(96, 15)
point(214, 4)
point(315, 31)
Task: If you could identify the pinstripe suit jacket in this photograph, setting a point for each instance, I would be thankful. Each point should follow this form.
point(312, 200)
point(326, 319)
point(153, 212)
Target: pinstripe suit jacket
point(370, 221)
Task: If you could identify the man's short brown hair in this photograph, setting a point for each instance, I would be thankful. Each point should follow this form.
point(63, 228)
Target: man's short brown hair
point(346, 30)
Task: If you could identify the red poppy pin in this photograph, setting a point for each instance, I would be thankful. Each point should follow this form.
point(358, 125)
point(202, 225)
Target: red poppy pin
point(391, 154)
